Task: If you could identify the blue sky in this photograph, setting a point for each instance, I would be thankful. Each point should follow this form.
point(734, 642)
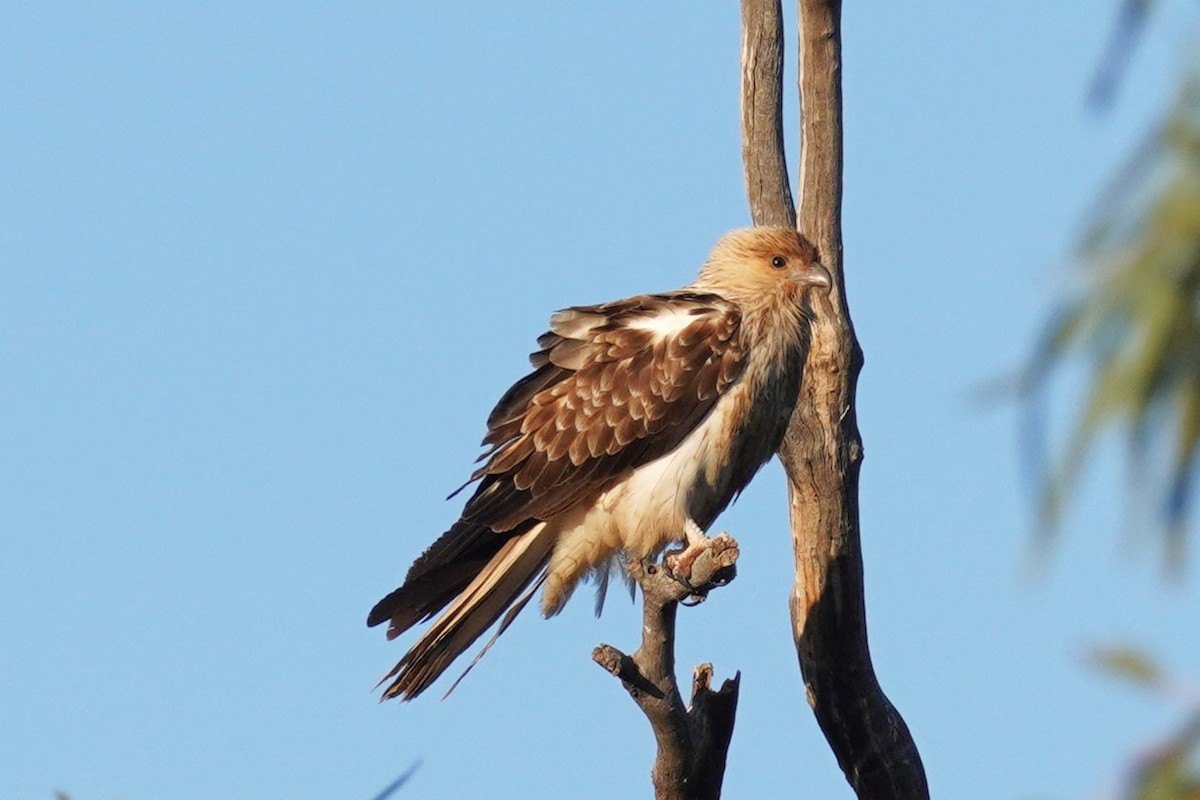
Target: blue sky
point(265, 267)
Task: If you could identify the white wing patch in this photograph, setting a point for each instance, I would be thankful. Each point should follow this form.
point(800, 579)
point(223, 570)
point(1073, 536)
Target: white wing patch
point(667, 323)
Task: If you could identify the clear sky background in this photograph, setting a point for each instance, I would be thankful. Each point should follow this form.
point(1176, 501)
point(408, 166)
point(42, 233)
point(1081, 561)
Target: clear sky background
point(265, 267)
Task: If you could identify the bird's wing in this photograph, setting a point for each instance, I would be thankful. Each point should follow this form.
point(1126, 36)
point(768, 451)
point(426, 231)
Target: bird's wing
point(614, 386)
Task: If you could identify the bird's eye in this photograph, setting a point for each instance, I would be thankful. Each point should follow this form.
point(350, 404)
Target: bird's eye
point(778, 262)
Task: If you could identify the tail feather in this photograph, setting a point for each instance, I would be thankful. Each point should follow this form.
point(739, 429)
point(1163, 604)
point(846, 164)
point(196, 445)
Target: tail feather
point(440, 574)
point(420, 599)
point(513, 610)
point(497, 586)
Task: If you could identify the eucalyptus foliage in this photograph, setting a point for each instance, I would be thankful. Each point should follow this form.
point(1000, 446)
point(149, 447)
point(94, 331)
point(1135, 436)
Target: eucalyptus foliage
point(1137, 324)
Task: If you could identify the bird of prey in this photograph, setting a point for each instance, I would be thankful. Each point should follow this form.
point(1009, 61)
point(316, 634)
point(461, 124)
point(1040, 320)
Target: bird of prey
point(641, 420)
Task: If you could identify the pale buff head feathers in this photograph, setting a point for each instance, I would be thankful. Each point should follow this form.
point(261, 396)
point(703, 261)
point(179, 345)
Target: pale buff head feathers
point(767, 264)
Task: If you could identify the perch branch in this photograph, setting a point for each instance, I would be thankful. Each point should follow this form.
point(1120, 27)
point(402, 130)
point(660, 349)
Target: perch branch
point(692, 742)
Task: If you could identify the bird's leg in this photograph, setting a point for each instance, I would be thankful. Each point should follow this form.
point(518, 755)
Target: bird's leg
point(680, 565)
point(679, 562)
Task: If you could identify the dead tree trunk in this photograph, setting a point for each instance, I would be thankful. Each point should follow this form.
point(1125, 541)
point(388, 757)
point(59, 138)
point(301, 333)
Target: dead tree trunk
point(822, 451)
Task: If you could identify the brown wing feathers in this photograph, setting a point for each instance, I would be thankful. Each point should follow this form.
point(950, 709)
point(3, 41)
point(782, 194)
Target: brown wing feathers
point(632, 396)
point(610, 391)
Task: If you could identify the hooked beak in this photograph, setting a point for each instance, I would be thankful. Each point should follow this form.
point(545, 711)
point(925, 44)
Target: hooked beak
point(817, 275)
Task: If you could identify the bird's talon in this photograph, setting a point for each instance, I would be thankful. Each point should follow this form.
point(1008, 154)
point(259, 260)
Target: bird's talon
point(682, 581)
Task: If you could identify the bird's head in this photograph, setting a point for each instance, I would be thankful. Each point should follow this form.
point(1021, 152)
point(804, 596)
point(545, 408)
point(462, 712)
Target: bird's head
point(763, 264)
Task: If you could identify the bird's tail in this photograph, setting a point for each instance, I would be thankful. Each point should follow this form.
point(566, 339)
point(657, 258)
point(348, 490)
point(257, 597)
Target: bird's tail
point(498, 587)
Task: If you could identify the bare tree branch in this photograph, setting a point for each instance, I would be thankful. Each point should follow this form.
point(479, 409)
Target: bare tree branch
point(692, 742)
point(822, 454)
point(762, 114)
point(822, 451)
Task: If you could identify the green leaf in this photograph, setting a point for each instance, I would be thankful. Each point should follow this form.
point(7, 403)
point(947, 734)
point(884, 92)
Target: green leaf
point(1128, 663)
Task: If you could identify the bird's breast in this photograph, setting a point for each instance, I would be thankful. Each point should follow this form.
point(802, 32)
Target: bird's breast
point(699, 478)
